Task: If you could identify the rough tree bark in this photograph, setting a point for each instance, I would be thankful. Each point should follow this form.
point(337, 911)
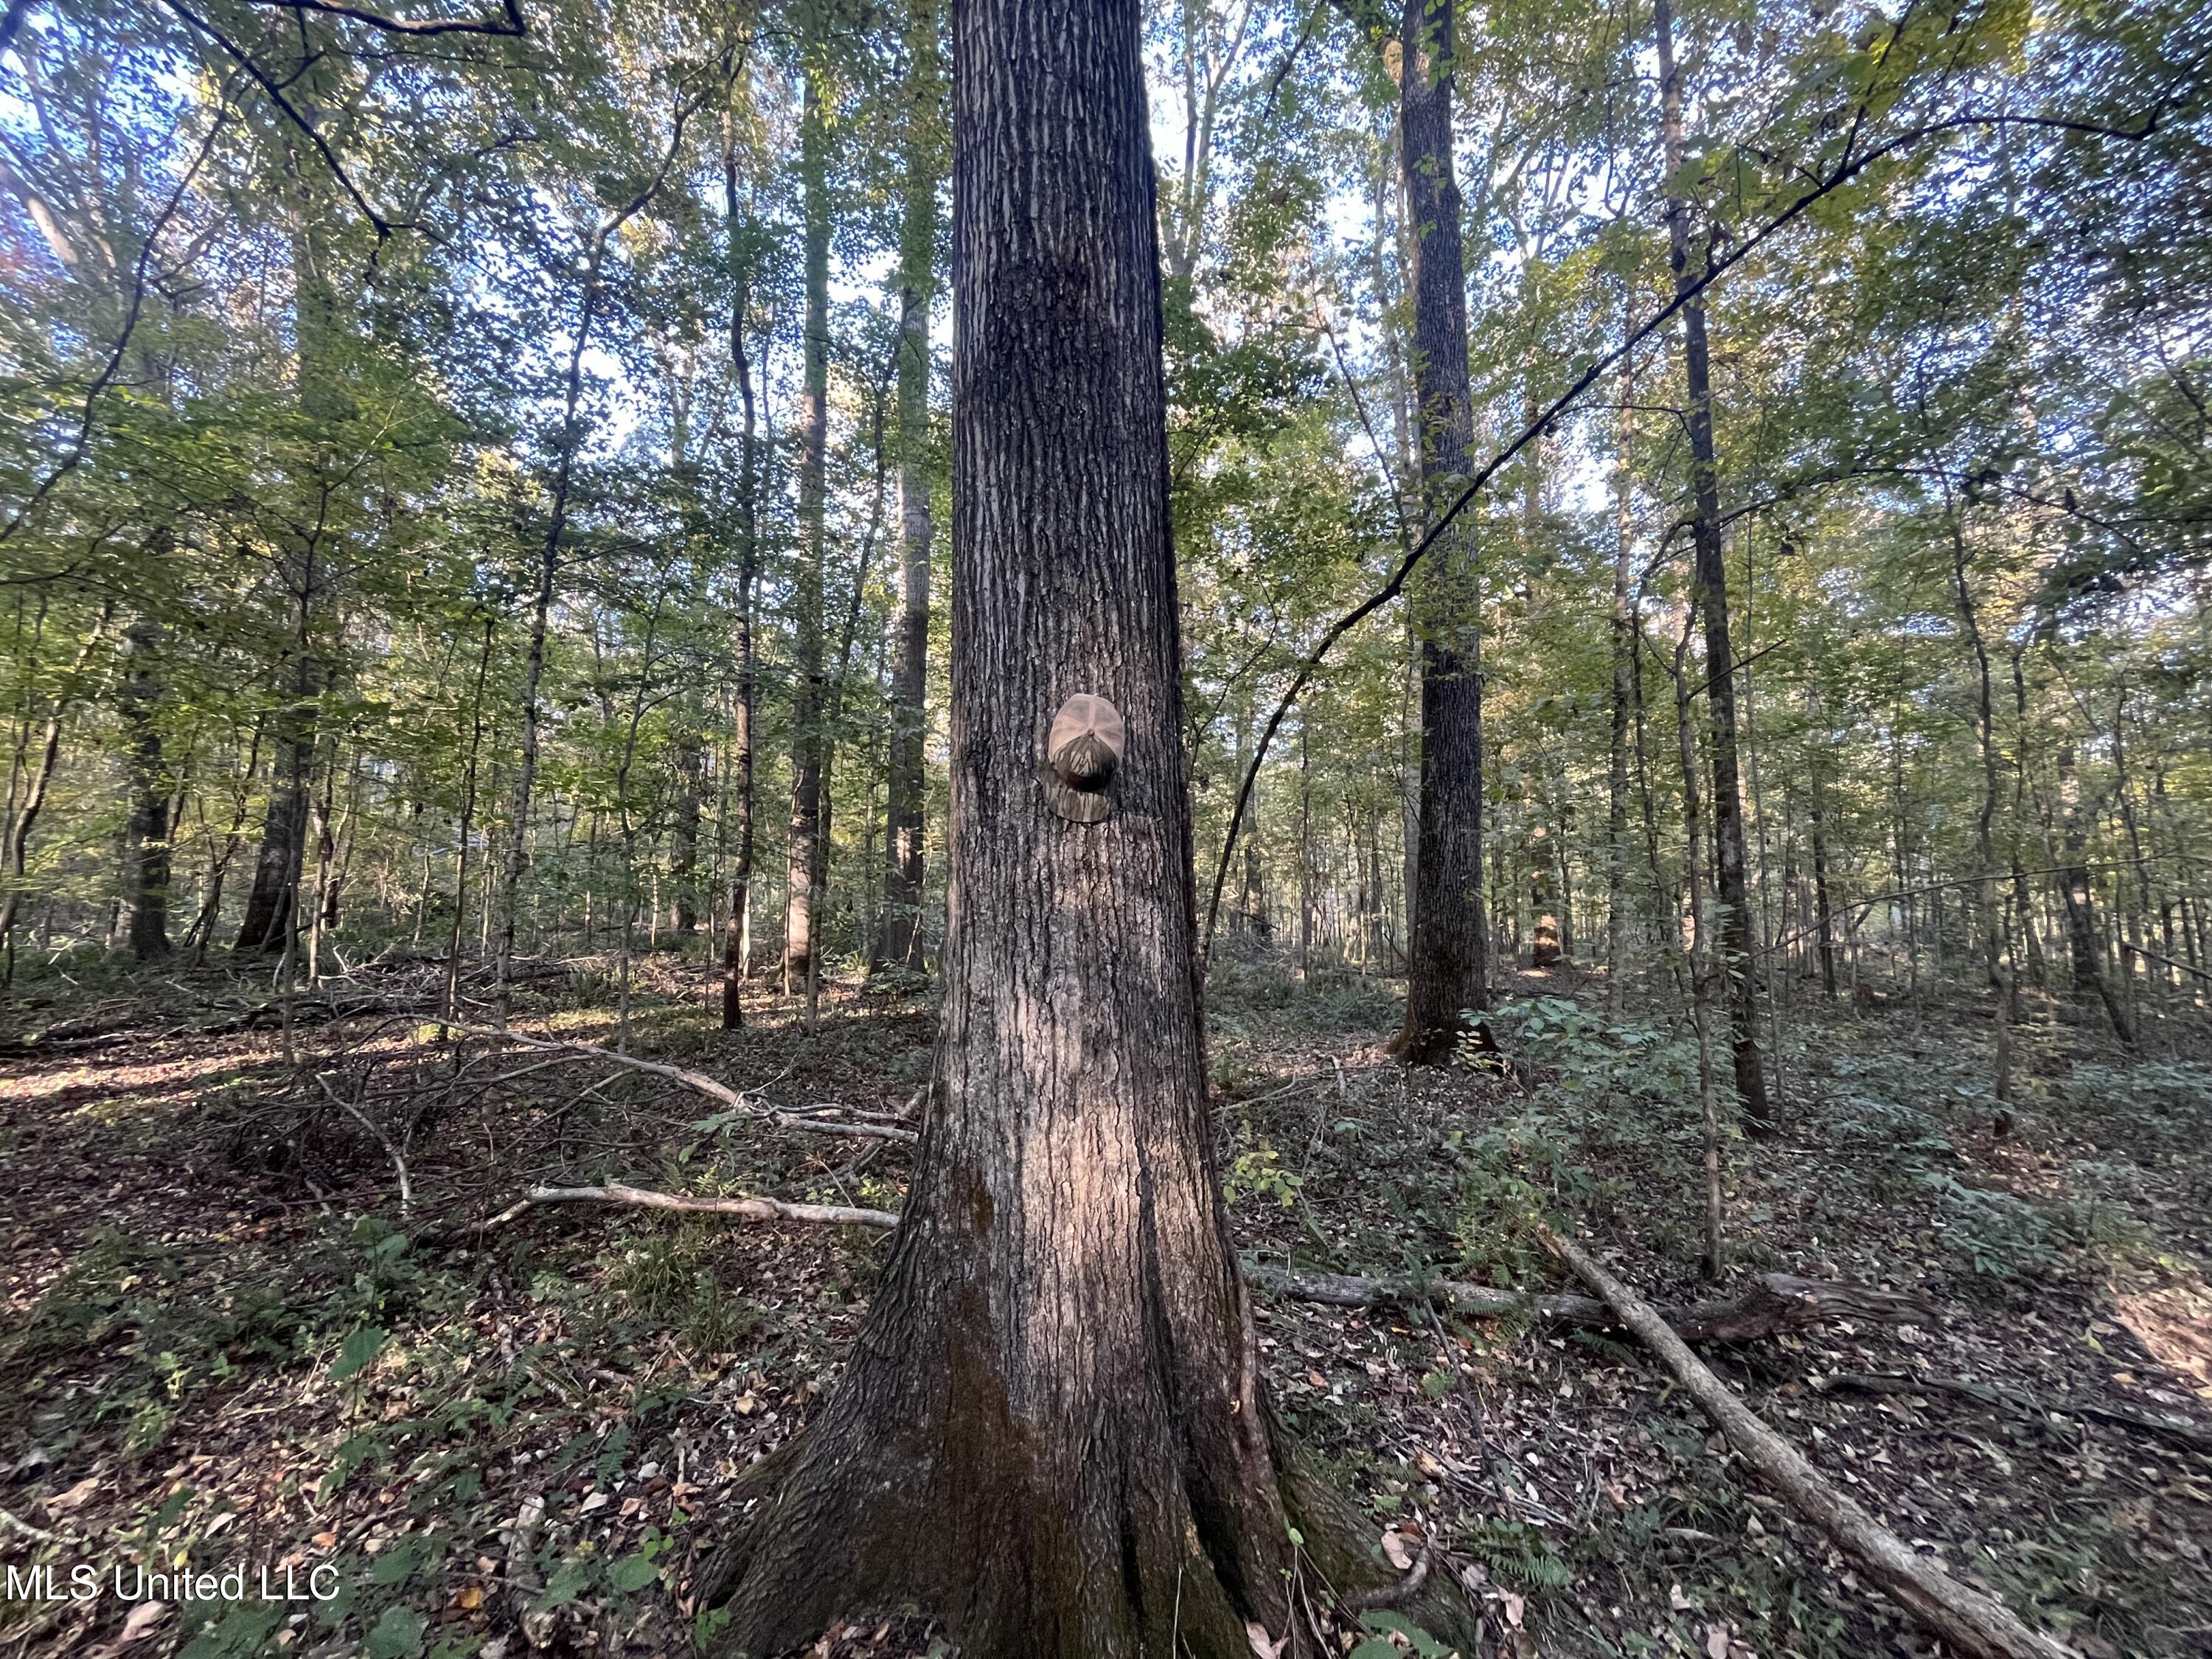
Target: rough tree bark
point(1711, 580)
point(1050, 1437)
point(802, 850)
point(899, 937)
point(1449, 961)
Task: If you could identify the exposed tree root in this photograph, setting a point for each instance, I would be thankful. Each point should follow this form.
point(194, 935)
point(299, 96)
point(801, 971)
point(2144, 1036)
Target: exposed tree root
point(1963, 1617)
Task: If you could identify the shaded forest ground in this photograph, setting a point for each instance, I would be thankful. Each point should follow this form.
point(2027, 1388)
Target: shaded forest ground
point(221, 1344)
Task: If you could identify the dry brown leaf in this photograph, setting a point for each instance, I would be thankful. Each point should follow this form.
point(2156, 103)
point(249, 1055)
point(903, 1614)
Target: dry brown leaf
point(1394, 1547)
point(140, 1624)
point(75, 1496)
point(1262, 1645)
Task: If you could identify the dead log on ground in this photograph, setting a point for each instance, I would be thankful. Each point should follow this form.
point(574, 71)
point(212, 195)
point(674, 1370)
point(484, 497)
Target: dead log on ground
point(1778, 1302)
point(2018, 1400)
point(1962, 1616)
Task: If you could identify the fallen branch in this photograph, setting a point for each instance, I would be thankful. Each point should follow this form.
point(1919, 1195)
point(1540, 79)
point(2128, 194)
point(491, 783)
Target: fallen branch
point(698, 1082)
point(398, 1163)
point(1778, 1302)
point(2153, 956)
point(1986, 1394)
point(1962, 1616)
point(739, 1207)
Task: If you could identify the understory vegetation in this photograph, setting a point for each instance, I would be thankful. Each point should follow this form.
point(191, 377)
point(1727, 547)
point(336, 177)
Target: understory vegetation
point(224, 1341)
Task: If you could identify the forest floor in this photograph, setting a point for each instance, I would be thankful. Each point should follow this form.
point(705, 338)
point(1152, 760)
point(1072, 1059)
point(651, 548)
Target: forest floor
point(223, 1346)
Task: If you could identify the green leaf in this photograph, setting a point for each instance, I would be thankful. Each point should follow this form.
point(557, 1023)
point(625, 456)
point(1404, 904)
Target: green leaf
point(1423, 1644)
point(357, 1352)
point(632, 1572)
point(568, 1582)
point(397, 1634)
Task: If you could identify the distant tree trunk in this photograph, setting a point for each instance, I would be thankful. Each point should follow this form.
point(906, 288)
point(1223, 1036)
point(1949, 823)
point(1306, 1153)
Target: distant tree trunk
point(1050, 1437)
point(18, 846)
point(1992, 917)
point(736, 941)
point(900, 938)
point(1449, 961)
point(1823, 914)
point(146, 858)
point(690, 760)
point(466, 826)
point(1701, 966)
point(2087, 948)
point(276, 869)
point(1711, 578)
point(2023, 900)
point(803, 862)
point(1305, 849)
point(1624, 692)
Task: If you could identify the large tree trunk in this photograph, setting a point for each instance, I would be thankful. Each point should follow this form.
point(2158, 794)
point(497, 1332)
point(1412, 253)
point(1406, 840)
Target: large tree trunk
point(146, 862)
point(900, 938)
point(803, 861)
point(1050, 1437)
point(1711, 580)
point(1449, 966)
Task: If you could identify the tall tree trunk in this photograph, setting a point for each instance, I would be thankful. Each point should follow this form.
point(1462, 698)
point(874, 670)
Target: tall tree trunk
point(1711, 578)
point(1701, 965)
point(1624, 691)
point(1449, 966)
point(803, 861)
point(690, 760)
point(736, 940)
point(1823, 910)
point(900, 938)
point(146, 861)
point(1050, 1437)
point(1992, 918)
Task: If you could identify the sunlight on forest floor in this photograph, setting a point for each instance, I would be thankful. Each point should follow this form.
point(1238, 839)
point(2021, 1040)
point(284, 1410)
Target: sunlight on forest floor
point(222, 1344)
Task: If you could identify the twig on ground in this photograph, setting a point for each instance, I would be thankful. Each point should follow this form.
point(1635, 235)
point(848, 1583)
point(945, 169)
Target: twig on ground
point(1962, 1616)
point(398, 1163)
